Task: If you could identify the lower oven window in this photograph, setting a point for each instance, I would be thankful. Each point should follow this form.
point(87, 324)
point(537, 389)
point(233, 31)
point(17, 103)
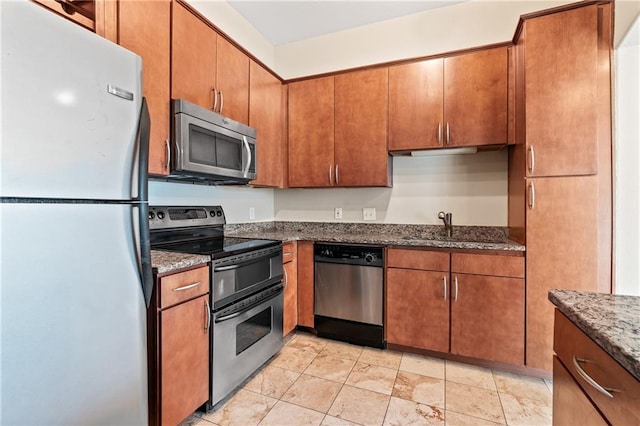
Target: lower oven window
point(252, 330)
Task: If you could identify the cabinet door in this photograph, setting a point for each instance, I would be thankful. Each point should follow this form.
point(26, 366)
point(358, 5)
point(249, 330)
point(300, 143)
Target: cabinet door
point(184, 359)
point(570, 405)
point(418, 309)
point(266, 116)
point(361, 156)
point(562, 253)
point(143, 30)
point(415, 105)
point(232, 81)
point(193, 58)
point(487, 317)
point(290, 315)
point(311, 133)
point(475, 102)
point(561, 64)
point(305, 284)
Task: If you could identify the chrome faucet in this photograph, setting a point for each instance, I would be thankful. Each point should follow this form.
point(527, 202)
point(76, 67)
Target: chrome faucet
point(448, 226)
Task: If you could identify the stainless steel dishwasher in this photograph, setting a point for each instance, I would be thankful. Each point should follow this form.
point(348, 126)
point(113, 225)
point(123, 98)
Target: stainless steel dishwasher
point(349, 293)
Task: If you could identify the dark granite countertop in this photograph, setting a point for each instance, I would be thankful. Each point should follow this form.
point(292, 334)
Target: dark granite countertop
point(164, 262)
point(430, 236)
point(612, 321)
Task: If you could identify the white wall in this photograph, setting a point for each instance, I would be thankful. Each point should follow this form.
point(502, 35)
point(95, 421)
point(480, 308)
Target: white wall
point(626, 160)
point(472, 187)
point(235, 200)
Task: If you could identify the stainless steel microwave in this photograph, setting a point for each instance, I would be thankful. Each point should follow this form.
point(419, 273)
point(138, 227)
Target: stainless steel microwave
point(210, 148)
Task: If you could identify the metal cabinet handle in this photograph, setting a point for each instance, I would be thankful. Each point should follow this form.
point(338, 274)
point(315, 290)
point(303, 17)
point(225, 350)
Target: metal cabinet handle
point(589, 379)
point(221, 102)
point(337, 176)
point(448, 134)
point(439, 133)
point(215, 99)
point(455, 280)
point(287, 254)
point(331, 174)
point(207, 312)
point(444, 285)
point(187, 287)
point(168, 145)
point(532, 196)
point(532, 159)
point(286, 277)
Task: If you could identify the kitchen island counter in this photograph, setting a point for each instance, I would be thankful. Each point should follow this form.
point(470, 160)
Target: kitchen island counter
point(424, 236)
point(612, 321)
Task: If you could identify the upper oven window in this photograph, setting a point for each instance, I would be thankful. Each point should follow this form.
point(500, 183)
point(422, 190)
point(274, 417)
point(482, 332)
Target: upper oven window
point(252, 330)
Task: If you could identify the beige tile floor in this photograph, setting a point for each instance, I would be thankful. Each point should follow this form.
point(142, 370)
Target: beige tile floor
point(314, 381)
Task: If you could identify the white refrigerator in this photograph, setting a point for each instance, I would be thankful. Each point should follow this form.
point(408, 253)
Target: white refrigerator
point(75, 267)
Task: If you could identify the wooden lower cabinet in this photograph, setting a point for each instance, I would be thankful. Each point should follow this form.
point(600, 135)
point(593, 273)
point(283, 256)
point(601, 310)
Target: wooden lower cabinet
point(417, 309)
point(305, 284)
point(487, 318)
point(290, 314)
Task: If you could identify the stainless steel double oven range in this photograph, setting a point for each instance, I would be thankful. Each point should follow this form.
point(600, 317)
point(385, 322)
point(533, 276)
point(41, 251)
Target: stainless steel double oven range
point(246, 290)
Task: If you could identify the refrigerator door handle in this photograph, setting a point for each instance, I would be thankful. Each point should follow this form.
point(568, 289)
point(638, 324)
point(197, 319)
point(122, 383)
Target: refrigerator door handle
point(146, 272)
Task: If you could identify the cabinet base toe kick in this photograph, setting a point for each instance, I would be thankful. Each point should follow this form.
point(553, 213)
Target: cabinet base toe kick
point(350, 331)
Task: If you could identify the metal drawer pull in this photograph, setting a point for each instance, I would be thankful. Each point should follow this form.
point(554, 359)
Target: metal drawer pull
point(444, 285)
point(287, 254)
point(187, 287)
point(588, 379)
point(207, 312)
point(532, 160)
point(455, 298)
point(286, 277)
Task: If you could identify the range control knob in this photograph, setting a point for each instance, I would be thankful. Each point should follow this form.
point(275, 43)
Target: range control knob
point(370, 257)
point(212, 213)
point(152, 215)
point(219, 213)
point(160, 215)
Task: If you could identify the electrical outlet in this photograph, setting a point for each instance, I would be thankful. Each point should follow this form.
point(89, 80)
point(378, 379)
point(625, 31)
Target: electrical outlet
point(369, 213)
point(252, 213)
point(337, 213)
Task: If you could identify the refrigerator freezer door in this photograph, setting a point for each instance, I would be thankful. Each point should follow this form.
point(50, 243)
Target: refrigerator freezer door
point(73, 316)
point(68, 127)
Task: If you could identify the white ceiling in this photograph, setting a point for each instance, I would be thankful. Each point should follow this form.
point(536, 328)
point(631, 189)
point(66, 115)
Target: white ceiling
point(287, 21)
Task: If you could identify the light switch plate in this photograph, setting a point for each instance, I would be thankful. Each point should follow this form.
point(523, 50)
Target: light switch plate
point(369, 213)
point(252, 213)
point(337, 213)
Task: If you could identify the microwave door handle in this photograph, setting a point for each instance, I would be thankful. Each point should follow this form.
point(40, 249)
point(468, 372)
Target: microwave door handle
point(245, 171)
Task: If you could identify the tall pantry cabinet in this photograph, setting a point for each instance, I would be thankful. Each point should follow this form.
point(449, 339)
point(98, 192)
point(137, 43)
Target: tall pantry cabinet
point(560, 167)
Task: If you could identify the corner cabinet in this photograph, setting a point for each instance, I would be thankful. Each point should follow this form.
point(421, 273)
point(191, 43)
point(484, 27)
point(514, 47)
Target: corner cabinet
point(178, 346)
point(338, 131)
point(456, 101)
point(142, 28)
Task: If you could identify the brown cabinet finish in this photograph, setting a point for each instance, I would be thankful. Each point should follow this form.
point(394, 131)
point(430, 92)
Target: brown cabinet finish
point(416, 92)
point(487, 264)
point(361, 156)
point(290, 315)
point(266, 115)
point(305, 284)
point(562, 252)
point(561, 68)
point(475, 103)
point(232, 81)
point(576, 409)
point(570, 342)
point(142, 28)
point(418, 259)
point(193, 58)
point(184, 359)
point(487, 317)
point(311, 133)
point(417, 309)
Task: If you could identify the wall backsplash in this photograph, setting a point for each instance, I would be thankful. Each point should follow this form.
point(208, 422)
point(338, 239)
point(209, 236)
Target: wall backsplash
point(472, 187)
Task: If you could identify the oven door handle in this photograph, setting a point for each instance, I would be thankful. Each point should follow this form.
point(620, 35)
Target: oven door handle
point(246, 308)
point(244, 262)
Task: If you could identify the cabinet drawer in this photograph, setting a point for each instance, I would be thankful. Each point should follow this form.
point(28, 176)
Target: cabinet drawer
point(488, 264)
point(418, 259)
point(183, 286)
point(569, 342)
point(288, 252)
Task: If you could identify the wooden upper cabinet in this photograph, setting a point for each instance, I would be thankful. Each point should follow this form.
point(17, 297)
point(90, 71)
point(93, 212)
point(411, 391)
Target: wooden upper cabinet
point(475, 102)
point(415, 105)
point(232, 81)
point(142, 28)
point(361, 156)
point(266, 115)
point(193, 58)
point(311, 133)
point(561, 69)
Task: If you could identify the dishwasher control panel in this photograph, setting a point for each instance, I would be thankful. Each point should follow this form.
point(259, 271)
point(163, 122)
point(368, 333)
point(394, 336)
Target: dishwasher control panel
point(349, 254)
